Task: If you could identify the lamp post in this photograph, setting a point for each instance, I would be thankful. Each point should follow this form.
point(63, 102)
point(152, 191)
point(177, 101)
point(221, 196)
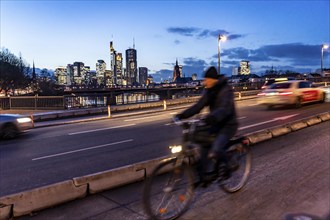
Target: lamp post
point(324, 46)
point(220, 38)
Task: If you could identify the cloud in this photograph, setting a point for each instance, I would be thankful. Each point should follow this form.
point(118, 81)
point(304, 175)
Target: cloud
point(234, 36)
point(297, 54)
point(199, 33)
point(193, 65)
point(177, 42)
point(161, 75)
point(184, 31)
point(294, 56)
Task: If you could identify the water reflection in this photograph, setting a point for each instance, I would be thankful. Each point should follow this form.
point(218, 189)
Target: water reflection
point(104, 100)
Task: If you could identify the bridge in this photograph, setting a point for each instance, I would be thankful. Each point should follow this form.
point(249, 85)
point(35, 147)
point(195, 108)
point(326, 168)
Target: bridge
point(162, 92)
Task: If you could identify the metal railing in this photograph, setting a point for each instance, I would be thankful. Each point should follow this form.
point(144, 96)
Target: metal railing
point(32, 102)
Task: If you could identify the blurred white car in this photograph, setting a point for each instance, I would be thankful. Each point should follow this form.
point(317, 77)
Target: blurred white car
point(269, 82)
point(326, 89)
point(293, 92)
point(13, 124)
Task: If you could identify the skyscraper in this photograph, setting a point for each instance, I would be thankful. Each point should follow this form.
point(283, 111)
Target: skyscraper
point(100, 71)
point(119, 69)
point(143, 75)
point(111, 78)
point(244, 67)
point(77, 70)
point(61, 76)
point(131, 66)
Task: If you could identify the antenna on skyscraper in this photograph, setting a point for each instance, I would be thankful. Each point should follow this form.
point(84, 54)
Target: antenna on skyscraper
point(133, 43)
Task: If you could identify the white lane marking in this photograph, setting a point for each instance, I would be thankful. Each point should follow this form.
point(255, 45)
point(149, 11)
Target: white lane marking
point(265, 122)
point(100, 129)
point(240, 118)
point(142, 118)
point(84, 149)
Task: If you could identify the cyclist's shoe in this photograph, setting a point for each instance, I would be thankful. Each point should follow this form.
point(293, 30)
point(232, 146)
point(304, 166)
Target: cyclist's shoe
point(224, 172)
point(197, 183)
point(206, 179)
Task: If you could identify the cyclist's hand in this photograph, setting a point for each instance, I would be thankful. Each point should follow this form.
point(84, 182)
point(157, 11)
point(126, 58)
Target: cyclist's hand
point(177, 119)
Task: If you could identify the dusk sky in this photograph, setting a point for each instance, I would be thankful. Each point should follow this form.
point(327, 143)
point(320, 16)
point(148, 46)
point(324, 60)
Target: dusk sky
point(284, 34)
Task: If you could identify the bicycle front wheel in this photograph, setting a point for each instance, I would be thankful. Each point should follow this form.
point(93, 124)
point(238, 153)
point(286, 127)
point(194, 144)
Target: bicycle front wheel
point(240, 164)
point(168, 191)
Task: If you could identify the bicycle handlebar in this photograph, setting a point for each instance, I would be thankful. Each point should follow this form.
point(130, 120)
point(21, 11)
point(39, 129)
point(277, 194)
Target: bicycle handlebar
point(181, 122)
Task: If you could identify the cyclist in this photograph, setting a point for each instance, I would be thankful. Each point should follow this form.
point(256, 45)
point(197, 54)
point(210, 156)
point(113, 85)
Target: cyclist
point(219, 97)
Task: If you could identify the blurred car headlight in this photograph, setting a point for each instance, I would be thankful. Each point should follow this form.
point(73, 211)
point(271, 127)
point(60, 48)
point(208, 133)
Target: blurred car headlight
point(175, 149)
point(24, 120)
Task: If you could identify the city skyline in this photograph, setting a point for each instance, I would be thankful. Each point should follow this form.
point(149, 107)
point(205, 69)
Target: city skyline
point(284, 34)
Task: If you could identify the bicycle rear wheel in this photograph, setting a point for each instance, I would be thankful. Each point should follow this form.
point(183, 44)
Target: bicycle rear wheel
point(240, 163)
point(169, 190)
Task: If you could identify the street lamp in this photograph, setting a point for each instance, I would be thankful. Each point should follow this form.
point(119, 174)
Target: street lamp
point(220, 38)
point(324, 46)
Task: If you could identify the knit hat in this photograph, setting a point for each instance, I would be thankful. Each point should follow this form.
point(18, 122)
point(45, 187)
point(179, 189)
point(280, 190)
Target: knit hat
point(211, 73)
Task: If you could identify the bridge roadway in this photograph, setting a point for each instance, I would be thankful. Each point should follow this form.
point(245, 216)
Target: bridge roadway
point(306, 109)
point(290, 174)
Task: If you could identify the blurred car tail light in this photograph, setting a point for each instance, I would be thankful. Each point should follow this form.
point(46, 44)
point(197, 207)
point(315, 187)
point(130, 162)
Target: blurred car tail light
point(261, 94)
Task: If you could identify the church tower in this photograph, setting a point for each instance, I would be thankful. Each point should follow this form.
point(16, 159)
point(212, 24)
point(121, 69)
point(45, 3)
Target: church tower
point(176, 71)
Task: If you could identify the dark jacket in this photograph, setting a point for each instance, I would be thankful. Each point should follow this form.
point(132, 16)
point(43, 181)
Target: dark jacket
point(220, 100)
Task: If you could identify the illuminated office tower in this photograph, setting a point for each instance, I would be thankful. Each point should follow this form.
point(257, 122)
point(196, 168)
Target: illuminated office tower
point(131, 66)
point(86, 76)
point(108, 76)
point(69, 73)
point(61, 76)
point(235, 71)
point(119, 69)
point(244, 67)
point(100, 71)
point(77, 72)
point(143, 75)
point(111, 78)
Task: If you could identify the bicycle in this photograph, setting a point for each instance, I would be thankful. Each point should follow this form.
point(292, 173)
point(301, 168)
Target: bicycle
point(170, 187)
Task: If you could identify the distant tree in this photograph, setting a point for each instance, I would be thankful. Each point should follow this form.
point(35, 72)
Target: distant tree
point(47, 84)
point(14, 72)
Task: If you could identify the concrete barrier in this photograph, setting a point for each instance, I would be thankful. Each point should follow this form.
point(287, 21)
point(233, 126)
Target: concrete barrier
point(313, 121)
point(297, 125)
point(48, 116)
point(325, 116)
point(148, 166)
point(66, 114)
point(259, 136)
point(5, 212)
point(110, 179)
point(94, 111)
point(81, 112)
point(37, 199)
point(280, 130)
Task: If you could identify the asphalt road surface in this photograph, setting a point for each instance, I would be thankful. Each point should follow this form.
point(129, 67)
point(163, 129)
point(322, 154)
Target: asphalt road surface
point(48, 155)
